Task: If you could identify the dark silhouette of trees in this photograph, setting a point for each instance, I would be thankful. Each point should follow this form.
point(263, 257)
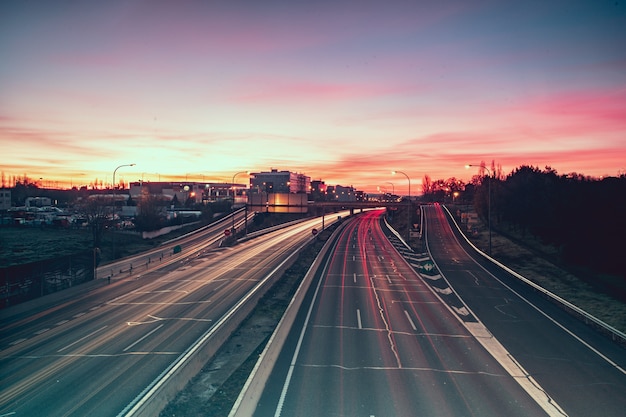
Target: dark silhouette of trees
point(584, 217)
point(441, 190)
point(151, 214)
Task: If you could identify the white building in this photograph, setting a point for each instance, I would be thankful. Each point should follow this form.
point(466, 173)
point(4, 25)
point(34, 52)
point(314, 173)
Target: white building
point(280, 182)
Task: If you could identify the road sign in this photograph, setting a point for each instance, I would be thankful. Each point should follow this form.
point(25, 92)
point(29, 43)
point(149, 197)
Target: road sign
point(314, 231)
point(227, 232)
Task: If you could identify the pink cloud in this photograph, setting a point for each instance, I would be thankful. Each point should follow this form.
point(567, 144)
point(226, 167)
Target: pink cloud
point(605, 105)
point(280, 91)
point(594, 111)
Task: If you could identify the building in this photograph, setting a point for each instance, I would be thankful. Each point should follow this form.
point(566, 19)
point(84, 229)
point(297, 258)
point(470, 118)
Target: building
point(342, 194)
point(280, 182)
point(5, 198)
point(38, 201)
point(279, 192)
point(188, 191)
point(318, 191)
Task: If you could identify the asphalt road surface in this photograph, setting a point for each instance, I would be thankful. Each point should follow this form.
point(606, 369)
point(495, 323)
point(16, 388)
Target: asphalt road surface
point(374, 339)
point(583, 371)
point(94, 354)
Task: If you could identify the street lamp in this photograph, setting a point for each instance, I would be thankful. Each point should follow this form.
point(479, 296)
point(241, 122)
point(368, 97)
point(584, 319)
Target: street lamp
point(114, 203)
point(408, 211)
point(114, 196)
point(115, 170)
point(488, 199)
point(233, 187)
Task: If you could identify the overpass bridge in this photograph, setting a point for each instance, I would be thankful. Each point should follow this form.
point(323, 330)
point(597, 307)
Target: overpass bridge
point(321, 207)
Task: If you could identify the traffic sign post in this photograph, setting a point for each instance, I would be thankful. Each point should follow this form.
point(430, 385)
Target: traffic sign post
point(314, 231)
point(227, 232)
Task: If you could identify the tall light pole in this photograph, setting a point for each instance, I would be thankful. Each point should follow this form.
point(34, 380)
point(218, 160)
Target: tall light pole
point(488, 199)
point(408, 211)
point(233, 187)
point(114, 203)
point(115, 170)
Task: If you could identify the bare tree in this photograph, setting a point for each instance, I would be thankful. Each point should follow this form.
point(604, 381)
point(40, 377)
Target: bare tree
point(426, 184)
point(97, 211)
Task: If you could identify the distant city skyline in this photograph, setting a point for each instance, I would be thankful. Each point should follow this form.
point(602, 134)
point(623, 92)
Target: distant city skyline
point(342, 91)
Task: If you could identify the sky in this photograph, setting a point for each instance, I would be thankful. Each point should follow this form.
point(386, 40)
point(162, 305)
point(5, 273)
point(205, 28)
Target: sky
point(342, 91)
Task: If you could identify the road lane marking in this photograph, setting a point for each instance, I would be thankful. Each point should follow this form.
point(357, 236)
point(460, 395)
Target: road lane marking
point(79, 315)
point(358, 319)
point(409, 319)
point(165, 291)
point(82, 338)
point(16, 342)
point(155, 319)
point(381, 312)
point(474, 276)
point(142, 338)
point(61, 322)
point(95, 355)
point(184, 303)
point(461, 310)
point(402, 368)
point(388, 279)
point(430, 277)
point(444, 291)
point(42, 331)
point(514, 368)
point(354, 277)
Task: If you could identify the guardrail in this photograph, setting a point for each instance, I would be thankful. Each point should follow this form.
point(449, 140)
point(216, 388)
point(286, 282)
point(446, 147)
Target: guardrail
point(174, 378)
point(589, 319)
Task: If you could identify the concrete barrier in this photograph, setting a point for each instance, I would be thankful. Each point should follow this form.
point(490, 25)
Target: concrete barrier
point(251, 393)
point(153, 399)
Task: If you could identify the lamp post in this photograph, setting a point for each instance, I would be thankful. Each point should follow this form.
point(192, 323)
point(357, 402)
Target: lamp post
point(114, 203)
point(115, 170)
point(408, 211)
point(488, 199)
point(233, 187)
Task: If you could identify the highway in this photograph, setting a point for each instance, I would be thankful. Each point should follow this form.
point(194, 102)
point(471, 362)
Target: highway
point(374, 339)
point(583, 371)
point(96, 353)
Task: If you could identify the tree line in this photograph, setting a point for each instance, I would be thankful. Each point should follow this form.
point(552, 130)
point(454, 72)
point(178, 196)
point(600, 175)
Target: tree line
point(584, 217)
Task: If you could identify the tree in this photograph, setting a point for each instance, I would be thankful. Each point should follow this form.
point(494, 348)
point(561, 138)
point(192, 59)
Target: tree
point(426, 185)
point(150, 216)
point(97, 211)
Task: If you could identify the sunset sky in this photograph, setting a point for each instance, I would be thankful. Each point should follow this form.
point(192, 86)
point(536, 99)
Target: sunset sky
point(343, 91)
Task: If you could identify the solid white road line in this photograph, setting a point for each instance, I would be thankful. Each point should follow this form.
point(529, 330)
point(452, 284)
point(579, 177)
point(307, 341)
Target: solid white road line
point(142, 338)
point(82, 338)
point(410, 321)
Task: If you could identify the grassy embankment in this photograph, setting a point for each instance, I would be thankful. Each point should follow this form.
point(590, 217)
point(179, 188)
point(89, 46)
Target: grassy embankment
point(19, 245)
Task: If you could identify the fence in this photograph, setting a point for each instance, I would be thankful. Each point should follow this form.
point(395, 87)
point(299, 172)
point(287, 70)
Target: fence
point(20, 283)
